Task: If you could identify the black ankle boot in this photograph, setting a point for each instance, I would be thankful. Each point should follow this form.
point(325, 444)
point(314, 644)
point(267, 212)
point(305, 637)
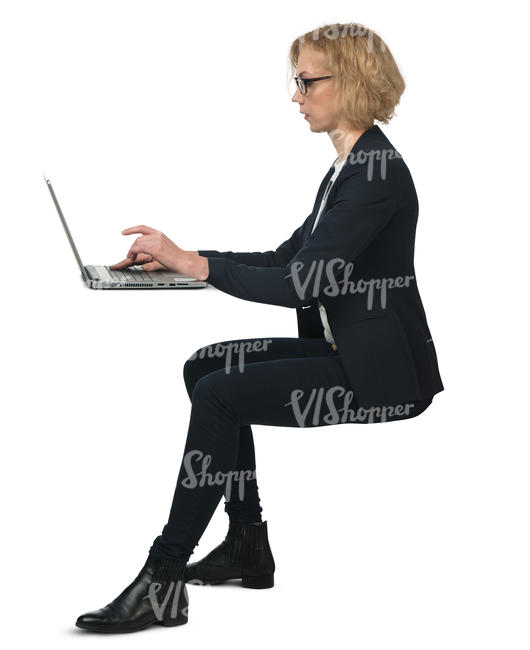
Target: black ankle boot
point(157, 595)
point(245, 553)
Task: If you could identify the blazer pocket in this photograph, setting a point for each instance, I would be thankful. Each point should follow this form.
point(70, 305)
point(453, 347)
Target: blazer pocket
point(347, 321)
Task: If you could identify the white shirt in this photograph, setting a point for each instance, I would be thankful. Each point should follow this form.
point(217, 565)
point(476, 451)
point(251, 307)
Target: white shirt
point(323, 316)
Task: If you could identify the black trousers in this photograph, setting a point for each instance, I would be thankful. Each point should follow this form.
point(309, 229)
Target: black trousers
point(287, 382)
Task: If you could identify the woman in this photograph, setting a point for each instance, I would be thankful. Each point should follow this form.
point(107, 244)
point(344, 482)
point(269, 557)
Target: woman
point(364, 352)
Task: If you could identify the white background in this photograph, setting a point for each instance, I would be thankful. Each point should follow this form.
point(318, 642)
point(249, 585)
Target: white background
point(413, 534)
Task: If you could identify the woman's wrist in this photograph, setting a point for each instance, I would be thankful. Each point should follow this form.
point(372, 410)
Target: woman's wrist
point(197, 266)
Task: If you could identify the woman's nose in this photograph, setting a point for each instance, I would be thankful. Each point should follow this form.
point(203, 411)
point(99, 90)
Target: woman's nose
point(297, 97)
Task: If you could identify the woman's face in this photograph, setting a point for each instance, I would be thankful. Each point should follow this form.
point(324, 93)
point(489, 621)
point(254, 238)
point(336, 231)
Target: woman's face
point(320, 103)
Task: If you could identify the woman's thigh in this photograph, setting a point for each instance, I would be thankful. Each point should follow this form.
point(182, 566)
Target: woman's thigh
point(233, 355)
point(294, 392)
point(285, 382)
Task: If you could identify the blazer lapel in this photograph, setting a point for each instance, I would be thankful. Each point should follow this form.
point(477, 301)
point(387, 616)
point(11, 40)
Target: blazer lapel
point(372, 139)
point(316, 205)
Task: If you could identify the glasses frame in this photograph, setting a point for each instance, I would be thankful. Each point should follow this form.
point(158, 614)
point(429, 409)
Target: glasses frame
point(302, 84)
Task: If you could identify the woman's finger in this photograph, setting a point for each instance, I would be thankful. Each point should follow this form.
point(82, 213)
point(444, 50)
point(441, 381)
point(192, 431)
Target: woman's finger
point(143, 230)
point(153, 266)
point(123, 264)
point(142, 245)
point(142, 258)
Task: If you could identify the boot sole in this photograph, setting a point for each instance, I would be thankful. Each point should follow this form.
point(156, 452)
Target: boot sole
point(250, 582)
point(122, 630)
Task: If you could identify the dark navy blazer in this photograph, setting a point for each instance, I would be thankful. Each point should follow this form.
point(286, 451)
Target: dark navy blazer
point(359, 263)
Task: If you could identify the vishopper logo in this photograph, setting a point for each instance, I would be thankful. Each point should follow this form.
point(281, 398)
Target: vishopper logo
point(321, 395)
point(363, 157)
point(237, 347)
point(319, 268)
point(203, 477)
point(339, 30)
point(160, 608)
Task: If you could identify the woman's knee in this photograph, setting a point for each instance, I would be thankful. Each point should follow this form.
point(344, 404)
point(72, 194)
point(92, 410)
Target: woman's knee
point(195, 366)
point(217, 386)
point(193, 370)
point(204, 360)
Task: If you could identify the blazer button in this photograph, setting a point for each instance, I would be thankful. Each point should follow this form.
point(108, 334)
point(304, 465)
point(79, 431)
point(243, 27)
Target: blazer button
point(334, 346)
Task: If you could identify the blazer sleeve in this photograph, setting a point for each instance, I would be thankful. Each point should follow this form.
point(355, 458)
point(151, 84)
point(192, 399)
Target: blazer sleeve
point(360, 211)
point(279, 257)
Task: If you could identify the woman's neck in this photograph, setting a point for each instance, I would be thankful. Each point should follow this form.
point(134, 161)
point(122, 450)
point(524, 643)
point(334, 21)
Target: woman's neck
point(343, 141)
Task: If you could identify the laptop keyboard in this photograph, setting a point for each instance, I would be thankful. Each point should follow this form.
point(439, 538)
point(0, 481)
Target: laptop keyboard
point(129, 276)
point(136, 274)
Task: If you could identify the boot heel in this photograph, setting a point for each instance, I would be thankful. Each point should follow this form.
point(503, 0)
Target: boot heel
point(258, 582)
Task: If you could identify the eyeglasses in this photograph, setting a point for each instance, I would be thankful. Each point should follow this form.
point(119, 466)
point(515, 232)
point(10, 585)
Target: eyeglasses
point(304, 83)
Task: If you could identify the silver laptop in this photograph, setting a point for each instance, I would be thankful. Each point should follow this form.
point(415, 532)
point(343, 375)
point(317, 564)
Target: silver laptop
point(133, 277)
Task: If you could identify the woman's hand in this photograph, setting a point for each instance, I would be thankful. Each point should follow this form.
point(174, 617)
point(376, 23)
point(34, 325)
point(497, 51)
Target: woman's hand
point(154, 250)
point(157, 252)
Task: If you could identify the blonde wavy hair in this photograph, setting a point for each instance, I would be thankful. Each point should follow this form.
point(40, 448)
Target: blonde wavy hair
point(366, 76)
